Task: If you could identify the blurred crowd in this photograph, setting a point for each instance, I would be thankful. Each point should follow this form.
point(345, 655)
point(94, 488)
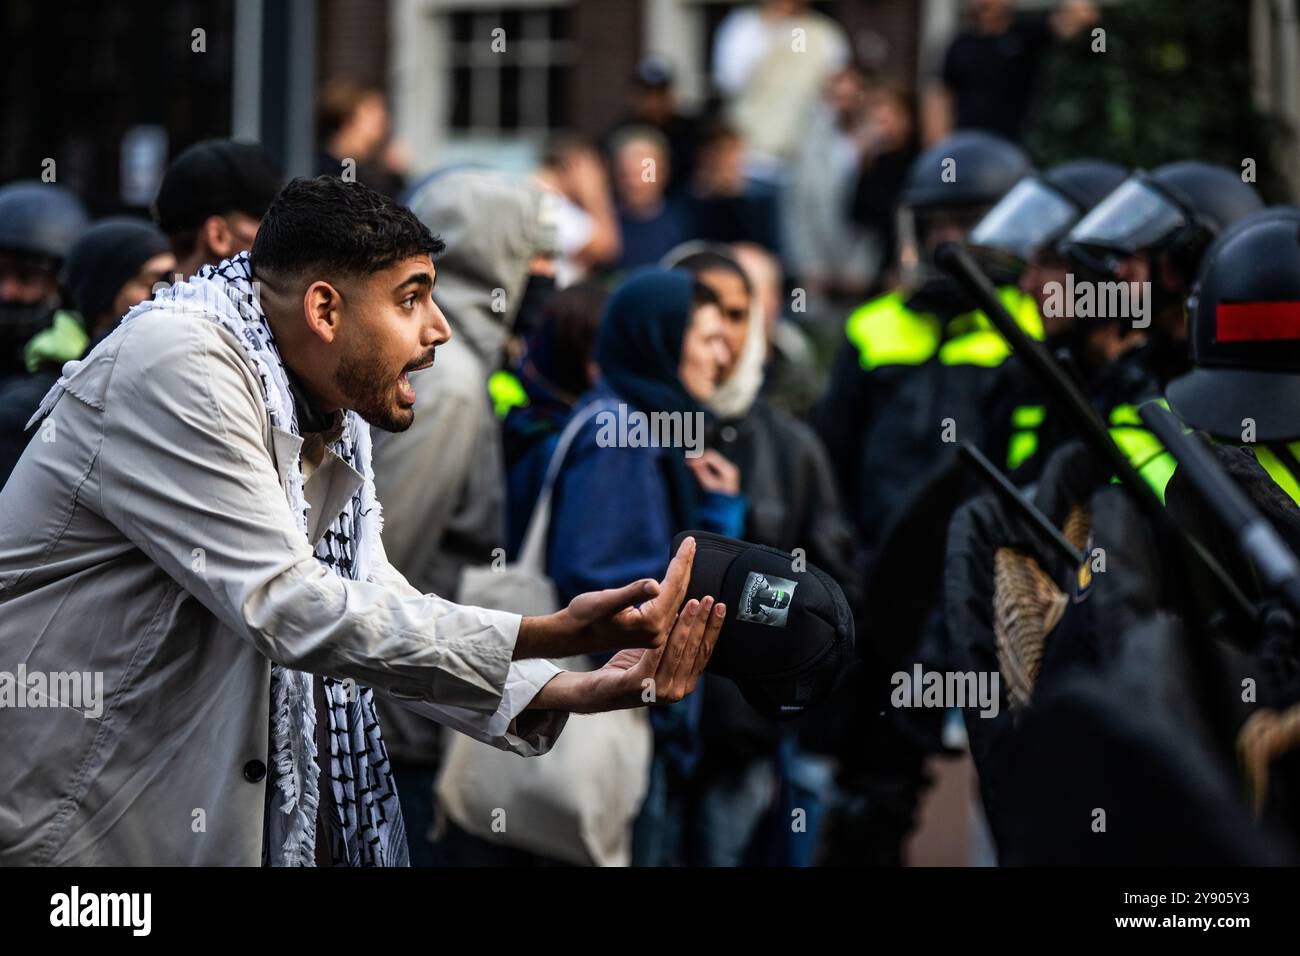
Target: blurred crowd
point(766, 263)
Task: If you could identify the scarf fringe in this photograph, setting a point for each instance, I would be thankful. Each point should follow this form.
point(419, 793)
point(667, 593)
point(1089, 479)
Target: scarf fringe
point(301, 797)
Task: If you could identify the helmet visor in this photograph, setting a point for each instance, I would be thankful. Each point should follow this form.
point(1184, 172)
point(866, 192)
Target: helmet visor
point(1027, 218)
point(1134, 217)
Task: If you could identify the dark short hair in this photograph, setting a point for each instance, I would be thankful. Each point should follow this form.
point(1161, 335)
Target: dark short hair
point(336, 227)
point(569, 323)
point(337, 104)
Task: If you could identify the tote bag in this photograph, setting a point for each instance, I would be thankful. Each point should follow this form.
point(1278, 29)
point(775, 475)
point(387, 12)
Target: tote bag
point(577, 802)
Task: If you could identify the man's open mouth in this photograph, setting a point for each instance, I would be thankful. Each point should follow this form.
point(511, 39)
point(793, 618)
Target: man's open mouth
point(405, 391)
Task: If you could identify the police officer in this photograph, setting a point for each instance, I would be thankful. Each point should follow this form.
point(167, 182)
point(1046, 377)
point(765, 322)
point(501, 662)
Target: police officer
point(920, 358)
point(1154, 229)
point(1245, 335)
point(112, 266)
point(1016, 242)
point(38, 224)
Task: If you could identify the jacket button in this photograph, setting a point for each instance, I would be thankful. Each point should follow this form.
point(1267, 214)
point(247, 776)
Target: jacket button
point(254, 771)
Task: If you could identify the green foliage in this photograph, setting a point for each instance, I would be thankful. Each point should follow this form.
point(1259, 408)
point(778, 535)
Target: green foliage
point(1173, 83)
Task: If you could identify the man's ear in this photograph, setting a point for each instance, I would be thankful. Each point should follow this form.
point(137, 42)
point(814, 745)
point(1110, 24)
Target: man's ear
point(215, 234)
point(321, 307)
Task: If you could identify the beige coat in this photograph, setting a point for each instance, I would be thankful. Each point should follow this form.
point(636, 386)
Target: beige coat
point(146, 541)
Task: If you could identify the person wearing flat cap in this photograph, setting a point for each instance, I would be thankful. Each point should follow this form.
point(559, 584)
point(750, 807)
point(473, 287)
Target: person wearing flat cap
point(112, 266)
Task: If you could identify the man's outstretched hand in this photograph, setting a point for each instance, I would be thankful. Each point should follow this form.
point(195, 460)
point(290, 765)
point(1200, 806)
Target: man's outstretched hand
point(661, 653)
point(643, 675)
point(638, 615)
point(658, 675)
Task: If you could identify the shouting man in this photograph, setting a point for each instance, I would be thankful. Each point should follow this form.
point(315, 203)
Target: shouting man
point(193, 534)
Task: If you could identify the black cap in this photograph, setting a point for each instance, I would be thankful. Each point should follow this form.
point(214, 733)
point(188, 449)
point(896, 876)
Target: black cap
point(1245, 332)
point(788, 636)
point(213, 178)
point(105, 258)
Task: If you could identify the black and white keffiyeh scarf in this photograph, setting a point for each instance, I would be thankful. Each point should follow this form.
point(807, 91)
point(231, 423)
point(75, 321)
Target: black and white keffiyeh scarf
point(365, 820)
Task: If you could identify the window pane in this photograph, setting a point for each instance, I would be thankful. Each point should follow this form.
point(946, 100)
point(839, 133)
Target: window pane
point(510, 20)
point(557, 96)
point(462, 26)
point(460, 97)
point(509, 94)
point(559, 17)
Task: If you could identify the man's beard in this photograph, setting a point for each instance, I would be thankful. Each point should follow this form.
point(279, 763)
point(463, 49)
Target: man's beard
point(369, 387)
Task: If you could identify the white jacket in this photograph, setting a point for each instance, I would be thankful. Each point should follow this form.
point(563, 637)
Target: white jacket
point(146, 542)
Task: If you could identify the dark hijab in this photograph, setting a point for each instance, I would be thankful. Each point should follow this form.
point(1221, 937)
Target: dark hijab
point(639, 350)
point(639, 342)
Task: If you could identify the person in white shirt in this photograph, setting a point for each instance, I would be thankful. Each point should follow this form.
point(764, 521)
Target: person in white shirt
point(770, 63)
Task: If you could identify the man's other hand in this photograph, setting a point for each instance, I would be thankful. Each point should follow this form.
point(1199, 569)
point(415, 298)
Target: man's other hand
point(638, 615)
point(641, 676)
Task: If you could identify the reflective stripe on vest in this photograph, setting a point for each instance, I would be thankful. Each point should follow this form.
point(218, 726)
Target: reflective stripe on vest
point(1025, 419)
point(1143, 450)
point(62, 341)
point(507, 392)
point(886, 332)
point(1278, 471)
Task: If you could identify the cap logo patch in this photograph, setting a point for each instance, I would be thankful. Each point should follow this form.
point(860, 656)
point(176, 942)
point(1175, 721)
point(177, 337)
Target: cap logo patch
point(765, 599)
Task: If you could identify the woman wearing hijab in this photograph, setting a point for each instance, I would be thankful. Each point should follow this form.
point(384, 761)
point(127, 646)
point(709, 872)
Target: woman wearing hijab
point(616, 506)
point(785, 474)
point(793, 503)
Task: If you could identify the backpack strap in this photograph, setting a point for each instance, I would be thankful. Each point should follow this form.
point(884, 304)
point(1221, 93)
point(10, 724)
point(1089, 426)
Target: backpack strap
point(532, 552)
